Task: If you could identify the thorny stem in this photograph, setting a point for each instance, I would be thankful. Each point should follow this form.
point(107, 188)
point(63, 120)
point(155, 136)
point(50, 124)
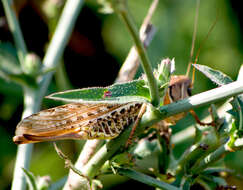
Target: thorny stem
point(211, 96)
point(33, 98)
point(123, 11)
point(24, 151)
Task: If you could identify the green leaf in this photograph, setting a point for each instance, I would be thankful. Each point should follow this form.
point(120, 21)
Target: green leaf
point(8, 59)
point(10, 69)
point(237, 111)
point(198, 135)
point(145, 179)
point(134, 91)
point(144, 148)
point(187, 184)
point(24, 80)
point(30, 179)
point(214, 75)
point(123, 159)
point(206, 181)
point(219, 180)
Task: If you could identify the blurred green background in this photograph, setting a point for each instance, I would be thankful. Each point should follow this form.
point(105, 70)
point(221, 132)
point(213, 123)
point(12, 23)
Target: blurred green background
point(98, 47)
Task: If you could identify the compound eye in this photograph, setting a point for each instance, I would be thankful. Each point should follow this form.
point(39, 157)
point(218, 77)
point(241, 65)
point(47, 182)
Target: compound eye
point(189, 91)
point(171, 93)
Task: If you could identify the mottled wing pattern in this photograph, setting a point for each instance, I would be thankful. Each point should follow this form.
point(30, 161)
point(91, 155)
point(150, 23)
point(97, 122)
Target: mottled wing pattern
point(76, 121)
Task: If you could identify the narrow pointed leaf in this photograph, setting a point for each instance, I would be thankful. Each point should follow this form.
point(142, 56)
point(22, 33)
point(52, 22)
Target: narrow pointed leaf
point(145, 179)
point(214, 75)
point(8, 59)
point(30, 179)
point(10, 69)
point(117, 93)
point(237, 106)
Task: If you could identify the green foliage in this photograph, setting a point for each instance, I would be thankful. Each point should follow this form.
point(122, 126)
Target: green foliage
point(30, 179)
point(117, 93)
point(9, 63)
point(214, 75)
point(192, 167)
point(36, 183)
point(134, 91)
point(10, 69)
point(145, 179)
point(235, 128)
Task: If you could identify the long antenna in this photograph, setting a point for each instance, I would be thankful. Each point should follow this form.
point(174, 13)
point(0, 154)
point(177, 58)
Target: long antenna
point(193, 38)
point(209, 32)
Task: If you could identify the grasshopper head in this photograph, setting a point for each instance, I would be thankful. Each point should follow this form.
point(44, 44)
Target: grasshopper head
point(179, 88)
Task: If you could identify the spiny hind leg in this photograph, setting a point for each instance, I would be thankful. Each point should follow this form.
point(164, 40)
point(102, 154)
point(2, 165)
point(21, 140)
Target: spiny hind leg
point(140, 114)
point(193, 113)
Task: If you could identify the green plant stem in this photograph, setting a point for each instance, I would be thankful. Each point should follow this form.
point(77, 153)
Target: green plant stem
point(24, 151)
point(33, 98)
point(209, 159)
point(211, 96)
point(150, 118)
point(61, 77)
point(123, 11)
point(58, 184)
point(216, 155)
point(88, 150)
point(60, 39)
point(15, 29)
point(106, 152)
